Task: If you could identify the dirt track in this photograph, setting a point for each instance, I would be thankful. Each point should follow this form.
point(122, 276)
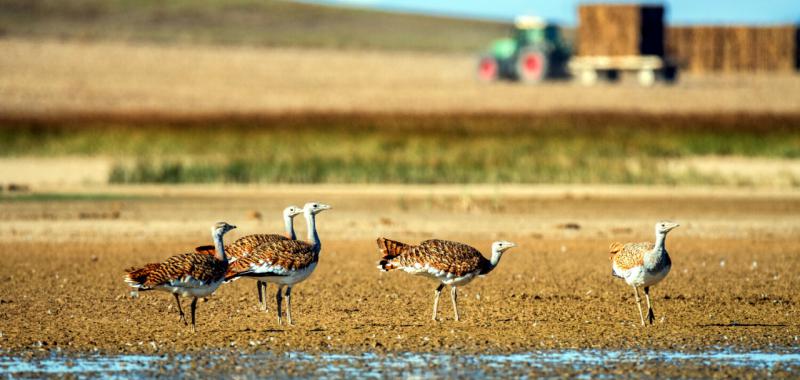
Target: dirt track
point(734, 281)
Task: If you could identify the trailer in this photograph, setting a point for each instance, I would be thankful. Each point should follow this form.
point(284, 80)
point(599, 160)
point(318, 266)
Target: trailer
point(648, 68)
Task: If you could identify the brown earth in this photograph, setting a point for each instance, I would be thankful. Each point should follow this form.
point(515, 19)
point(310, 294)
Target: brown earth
point(63, 78)
point(733, 284)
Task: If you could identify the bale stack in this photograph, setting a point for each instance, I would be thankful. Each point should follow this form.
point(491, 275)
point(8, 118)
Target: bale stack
point(729, 49)
point(620, 29)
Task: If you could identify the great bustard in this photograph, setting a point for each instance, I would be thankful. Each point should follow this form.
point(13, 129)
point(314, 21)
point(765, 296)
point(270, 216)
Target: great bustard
point(448, 262)
point(245, 246)
point(192, 274)
point(284, 262)
point(643, 265)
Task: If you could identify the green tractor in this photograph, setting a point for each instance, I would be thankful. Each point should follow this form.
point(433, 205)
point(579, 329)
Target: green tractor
point(534, 52)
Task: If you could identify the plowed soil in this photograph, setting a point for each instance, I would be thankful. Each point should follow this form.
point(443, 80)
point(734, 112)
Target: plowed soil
point(734, 282)
point(58, 79)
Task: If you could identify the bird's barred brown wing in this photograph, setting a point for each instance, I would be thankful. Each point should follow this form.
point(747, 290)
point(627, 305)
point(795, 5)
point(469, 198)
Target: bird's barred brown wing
point(630, 255)
point(449, 256)
point(243, 246)
point(248, 244)
point(202, 267)
point(207, 250)
point(277, 257)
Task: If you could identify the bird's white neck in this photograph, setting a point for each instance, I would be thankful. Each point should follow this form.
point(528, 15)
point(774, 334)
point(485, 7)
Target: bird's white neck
point(288, 225)
point(496, 256)
point(660, 238)
point(313, 238)
point(219, 252)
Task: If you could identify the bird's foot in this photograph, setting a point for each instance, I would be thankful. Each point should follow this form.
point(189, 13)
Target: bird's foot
point(651, 316)
point(182, 318)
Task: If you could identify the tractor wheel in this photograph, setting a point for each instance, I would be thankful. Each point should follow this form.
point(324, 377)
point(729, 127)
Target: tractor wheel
point(532, 66)
point(488, 69)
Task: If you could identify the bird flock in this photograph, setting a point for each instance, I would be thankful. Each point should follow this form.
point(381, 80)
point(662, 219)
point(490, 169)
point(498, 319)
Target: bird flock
point(285, 261)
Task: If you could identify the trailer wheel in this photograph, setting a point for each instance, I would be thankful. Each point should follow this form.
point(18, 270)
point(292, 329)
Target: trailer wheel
point(488, 69)
point(531, 66)
point(612, 75)
point(670, 74)
point(587, 77)
point(647, 77)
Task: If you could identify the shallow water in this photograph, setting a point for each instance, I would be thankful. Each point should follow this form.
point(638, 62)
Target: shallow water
point(581, 363)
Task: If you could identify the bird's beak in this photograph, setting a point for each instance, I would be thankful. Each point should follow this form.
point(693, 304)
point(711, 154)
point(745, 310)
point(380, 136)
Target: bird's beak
point(232, 226)
point(326, 207)
point(673, 226)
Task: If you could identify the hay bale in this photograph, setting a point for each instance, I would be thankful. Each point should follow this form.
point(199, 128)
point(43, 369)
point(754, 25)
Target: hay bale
point(678, 45)
point(734, 48)
point(620, 29)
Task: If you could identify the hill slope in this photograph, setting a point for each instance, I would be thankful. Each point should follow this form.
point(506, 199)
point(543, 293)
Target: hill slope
point(241, 22)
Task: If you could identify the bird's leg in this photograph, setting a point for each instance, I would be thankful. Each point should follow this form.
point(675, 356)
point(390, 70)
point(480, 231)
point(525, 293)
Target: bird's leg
point(261, 304)
point(194, 307)
point(264, 286)
point(289, 304)
point(436, 299)
point(180, 310)
point(651, 317)
point(638, 304)
point(278, 300)
point(454, 296)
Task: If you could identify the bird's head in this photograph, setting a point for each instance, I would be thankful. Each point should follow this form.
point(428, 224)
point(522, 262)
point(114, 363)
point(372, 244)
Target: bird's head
point(502, 245)
point(664, 226)
point(220, 228)
point(313, 208)
point(292, 211)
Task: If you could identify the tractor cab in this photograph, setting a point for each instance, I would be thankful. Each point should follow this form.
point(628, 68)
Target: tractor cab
point(533, 52)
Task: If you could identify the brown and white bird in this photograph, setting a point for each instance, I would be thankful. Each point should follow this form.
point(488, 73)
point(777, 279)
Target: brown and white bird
point(191, 274)
point(448, 262)
point(245, 246)
point(283, 262)
point(643, 264)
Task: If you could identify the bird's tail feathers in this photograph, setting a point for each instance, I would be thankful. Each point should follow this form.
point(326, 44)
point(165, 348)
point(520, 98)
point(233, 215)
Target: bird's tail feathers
point(616, 247)
point(389, 249)
point(137, 277)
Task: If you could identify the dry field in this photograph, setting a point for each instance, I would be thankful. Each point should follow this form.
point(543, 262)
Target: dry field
point(56, 78)
point(733, 285)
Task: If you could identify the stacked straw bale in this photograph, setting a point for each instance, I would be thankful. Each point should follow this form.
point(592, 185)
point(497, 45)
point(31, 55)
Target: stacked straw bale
point(733, 48)
point(620, 30)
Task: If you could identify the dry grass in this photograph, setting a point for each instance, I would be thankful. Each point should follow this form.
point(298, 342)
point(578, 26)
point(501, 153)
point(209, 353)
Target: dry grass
point(46, 78)
point(575, 148)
